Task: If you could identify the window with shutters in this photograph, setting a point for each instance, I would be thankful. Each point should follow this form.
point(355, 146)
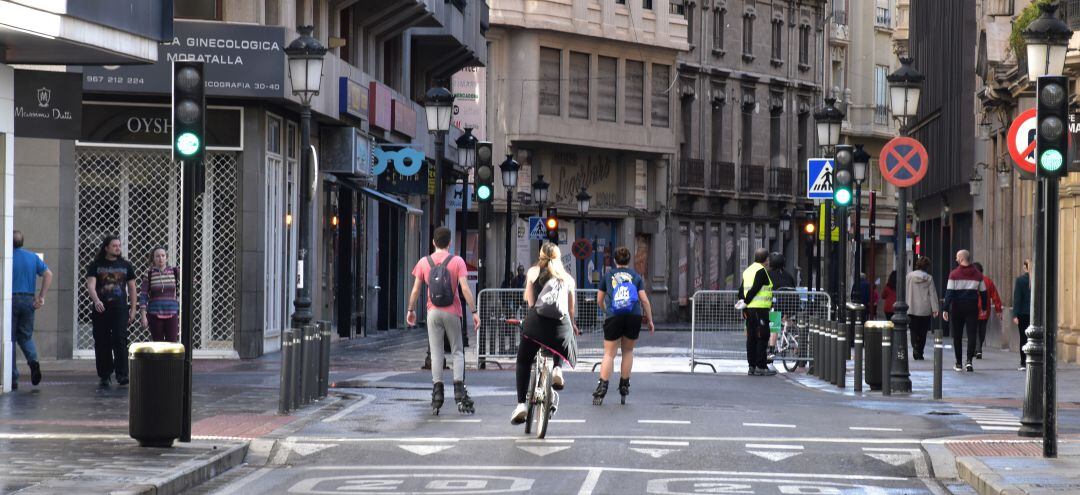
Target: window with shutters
point(579, 85)
point(777, 39)
point(748, 36)
point(550, 81)
point(635, 92)
point(881, 94)
point(607, 88)
point(804, 46)
point(718, 30)
point(661, 99)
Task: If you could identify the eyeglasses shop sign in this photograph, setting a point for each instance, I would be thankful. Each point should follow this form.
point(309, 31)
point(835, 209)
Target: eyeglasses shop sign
point(241, 60)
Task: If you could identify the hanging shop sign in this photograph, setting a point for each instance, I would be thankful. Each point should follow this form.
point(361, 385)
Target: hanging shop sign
point(352, 98)
point(48, 104)
point(404, 118)
point(400, 170)
point(151, 125)
point(242, 60)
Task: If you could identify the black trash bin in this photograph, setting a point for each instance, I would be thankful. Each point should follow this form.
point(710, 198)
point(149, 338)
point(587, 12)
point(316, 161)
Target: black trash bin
point(155, 398)
point(872, 351)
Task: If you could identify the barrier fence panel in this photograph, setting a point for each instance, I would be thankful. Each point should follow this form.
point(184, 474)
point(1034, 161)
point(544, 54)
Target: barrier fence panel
point(717, 329)
point(497, 338)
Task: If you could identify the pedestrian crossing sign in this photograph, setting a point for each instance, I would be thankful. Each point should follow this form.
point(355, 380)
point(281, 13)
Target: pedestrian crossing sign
point(537, 230)
point(819, 172)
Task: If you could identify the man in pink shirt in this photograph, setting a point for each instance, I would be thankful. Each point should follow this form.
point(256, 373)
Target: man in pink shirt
point(447, 279)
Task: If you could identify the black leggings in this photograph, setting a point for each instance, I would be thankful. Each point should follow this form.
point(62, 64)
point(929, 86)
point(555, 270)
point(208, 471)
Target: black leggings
point(553, 334)
point(965, 319)
point(920, 325)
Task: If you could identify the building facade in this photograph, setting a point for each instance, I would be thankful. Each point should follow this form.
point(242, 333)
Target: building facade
point(746, 92)
point(582, 95)
point(116, 177)
point(48, 37)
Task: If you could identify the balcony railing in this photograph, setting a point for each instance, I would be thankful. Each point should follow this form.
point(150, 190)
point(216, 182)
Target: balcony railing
point(883, 17)
point(753, 179)
point(780, 182)
point(692, 173)
point(840, 17)
point(722, 177)
point(881, 115)
point(678, 7)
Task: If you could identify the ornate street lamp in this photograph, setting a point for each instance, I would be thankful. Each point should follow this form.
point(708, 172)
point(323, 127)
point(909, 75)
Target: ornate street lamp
point(466, 148)
point(305, 55)
point(975, 184)
point(583, 198)
point(540, 193)
point(861, 160)
point(1047, 39)
point(828, 119)
point(905, 87)
point(439, 107)
point(509, 168)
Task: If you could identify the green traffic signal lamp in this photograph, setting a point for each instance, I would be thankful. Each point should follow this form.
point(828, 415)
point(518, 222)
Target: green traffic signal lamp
point(842, 175)
point(187, 144)
point(1051, 160)
point(842, 197)
point(483, 193)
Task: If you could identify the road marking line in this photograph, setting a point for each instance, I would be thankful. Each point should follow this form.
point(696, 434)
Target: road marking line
point(888, 449)
point(364, 400)
point(766, 475)
point(1000, 423)
point(590, 482)
point(417, 439)
point(827, 440)
point(773, 455)
point(659, 442)
point(541, 442)
point(454, 420)
point(236, 486)
point(873, 428)
point(566, 421)
point(774, 446)
point(769, 425)
point(1001, 428)
point(543, 450)
point(663, 422)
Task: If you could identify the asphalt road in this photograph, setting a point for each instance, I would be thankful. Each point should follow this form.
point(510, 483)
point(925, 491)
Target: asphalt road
point(679, 433)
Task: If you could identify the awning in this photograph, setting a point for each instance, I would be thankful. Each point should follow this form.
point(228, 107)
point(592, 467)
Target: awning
point(390, 200)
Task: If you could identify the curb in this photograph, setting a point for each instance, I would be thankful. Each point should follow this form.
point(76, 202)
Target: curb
point(983, 479)
point(193, 476)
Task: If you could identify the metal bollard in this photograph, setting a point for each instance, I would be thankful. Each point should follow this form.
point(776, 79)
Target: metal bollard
point(812, 342)
point(285, 388)
point(305, 368)
point(294, 376)
point(829, 346)
point(843, 351)
point(819, 350)
point(834, 377)
point(886, 360)
point(315, 347)
point(804, 349)
point(939, 349)
point(324, 368)
point(858, 355)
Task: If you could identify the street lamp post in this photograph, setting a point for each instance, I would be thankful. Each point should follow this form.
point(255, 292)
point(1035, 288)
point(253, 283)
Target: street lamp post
point(862, 163)
point(540, 196)
point(439, 107)
point(305, 55)
point(1047, 39)
point(510, 168)
point(828, 120)
point(466, 147)
point(905, 86)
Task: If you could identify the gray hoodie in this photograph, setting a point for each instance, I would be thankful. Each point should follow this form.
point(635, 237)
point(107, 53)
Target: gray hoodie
point(922, 296)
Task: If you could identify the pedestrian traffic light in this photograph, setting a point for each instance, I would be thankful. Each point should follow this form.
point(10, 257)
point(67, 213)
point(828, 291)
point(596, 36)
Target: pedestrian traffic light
point(552, 225)
point(485, 173)
point(188, 111)
point(1052, 136)
point(842, 178)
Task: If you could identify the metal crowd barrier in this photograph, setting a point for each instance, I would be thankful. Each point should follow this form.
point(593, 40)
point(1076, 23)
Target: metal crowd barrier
point(305, 366)
point(717, 329)
point(497, 340)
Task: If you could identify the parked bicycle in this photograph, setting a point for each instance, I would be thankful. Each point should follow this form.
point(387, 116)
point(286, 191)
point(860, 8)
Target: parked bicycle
point(787, 347)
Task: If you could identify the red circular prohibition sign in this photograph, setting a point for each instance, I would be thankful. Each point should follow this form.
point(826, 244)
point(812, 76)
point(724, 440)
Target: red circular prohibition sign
point(582, 249)
point(903, 161)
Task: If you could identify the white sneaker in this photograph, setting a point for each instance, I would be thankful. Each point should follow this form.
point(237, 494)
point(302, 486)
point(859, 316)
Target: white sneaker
point(557, 381)
point(518, 416)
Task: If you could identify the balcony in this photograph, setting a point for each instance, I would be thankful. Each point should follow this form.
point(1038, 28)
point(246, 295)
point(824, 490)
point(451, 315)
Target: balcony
point(881, 115)
point(722, 177)
point(691, 174)
point(781, 182)
point(753, 179)
point(883, 18)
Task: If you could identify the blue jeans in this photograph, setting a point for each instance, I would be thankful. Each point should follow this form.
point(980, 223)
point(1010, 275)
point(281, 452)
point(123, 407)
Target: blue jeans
point(22, 316)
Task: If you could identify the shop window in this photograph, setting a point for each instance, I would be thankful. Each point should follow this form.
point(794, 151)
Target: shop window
point(607, 92)
point(550, 81)
point(635, 92)
point(661, 97)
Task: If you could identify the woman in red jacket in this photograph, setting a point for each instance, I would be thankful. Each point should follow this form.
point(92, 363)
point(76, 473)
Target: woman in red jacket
point(984, 313)
point(888, 296)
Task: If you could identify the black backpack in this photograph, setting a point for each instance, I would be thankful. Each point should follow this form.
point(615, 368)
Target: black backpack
point(440, 283)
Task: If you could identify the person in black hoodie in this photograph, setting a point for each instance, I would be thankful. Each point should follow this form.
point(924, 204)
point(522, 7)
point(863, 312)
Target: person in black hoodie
point(782, 281)
point(965, 291)
point(1022, 309)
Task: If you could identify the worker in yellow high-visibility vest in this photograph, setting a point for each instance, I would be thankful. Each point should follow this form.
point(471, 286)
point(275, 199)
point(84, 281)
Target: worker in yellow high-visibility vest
point(755, 296)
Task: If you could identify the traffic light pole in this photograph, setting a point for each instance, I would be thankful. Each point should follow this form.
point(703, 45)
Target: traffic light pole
point(1051, 318)
point(187, 284)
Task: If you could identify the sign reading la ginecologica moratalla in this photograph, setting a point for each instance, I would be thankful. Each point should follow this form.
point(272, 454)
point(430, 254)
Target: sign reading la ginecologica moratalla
point(241, 60)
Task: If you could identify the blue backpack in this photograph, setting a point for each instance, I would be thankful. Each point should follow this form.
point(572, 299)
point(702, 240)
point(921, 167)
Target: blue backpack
point(624, 298)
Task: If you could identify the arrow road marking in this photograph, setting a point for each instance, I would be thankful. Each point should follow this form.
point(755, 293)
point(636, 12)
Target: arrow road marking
point(306, 449)
point(426, 449)
point(541, 450)
point(773, 455)
point(654, 453)
point(893, 459)
point(774, 446)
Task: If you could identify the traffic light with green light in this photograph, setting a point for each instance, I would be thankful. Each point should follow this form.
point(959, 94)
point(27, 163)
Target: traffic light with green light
point(1051, 121)
point(188, 111)
point(842, 176)
point(485, 173)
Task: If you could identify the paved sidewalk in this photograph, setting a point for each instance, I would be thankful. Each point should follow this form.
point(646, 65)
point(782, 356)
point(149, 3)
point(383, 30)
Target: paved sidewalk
point(1007, 464)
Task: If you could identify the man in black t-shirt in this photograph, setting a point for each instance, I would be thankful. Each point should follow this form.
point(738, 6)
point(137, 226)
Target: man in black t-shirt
point(110, 281)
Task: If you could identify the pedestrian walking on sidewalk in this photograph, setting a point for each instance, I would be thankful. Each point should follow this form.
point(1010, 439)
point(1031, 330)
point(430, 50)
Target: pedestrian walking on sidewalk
point(158, 300)
point(985, 311)
point(1022, 309)
point(446, 277)
point(755, 301)
point(552, 302)
point(110, 281)
point(627, 308)
point(26, 299)
point(923, 305)
point(964, 293)
point(888, 296)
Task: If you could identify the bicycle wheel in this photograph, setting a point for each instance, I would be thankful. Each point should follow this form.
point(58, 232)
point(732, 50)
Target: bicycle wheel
point(544, 404)
point(530, 400)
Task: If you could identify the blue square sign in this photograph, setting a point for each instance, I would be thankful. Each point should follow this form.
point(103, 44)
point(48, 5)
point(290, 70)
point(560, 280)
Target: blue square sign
point(819, 172)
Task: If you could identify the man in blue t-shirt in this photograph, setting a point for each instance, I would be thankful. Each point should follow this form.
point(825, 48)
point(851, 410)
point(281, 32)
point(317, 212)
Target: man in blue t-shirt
point(623, 290)
point(26, 267)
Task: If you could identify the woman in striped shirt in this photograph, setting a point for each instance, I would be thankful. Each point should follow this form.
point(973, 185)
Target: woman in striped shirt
point(158, 298)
